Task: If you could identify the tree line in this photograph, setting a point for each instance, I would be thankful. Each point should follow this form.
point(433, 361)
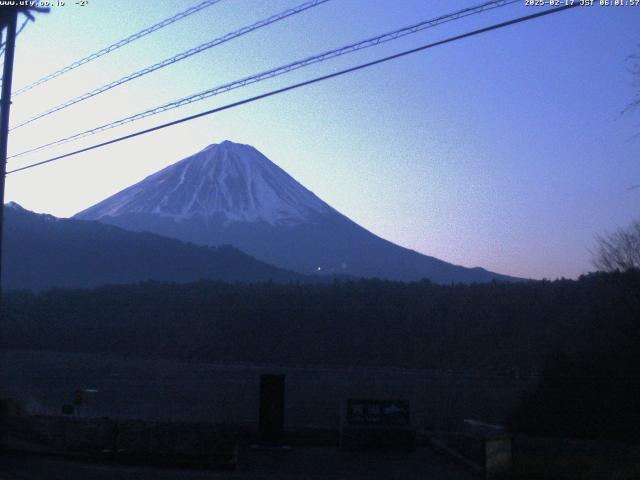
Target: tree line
point(368, 322)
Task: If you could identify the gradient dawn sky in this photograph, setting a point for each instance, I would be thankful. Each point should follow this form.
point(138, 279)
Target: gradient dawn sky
point(506, 150)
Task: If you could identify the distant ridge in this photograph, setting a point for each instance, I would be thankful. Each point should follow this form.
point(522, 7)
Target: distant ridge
point(42, 251)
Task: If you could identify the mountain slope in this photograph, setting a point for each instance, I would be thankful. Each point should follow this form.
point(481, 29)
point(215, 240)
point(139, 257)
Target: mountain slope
point(232, 194)
point(42, 251)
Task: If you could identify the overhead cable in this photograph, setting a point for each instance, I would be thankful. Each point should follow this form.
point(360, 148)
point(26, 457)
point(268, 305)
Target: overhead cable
point(176, 58)
point(370, 42)
point(301, 84)
point(121, 43)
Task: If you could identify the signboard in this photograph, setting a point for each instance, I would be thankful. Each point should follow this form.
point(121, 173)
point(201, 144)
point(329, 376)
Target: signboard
point(381, 413)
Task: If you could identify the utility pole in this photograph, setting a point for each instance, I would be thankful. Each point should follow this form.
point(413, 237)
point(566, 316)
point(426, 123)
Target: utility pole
point(10, 21)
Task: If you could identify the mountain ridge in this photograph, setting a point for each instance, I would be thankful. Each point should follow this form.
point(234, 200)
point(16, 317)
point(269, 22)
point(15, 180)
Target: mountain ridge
point(41, 251)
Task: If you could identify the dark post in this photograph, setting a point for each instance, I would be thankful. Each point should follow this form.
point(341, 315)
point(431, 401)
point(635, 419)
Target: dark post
point(5, 105)
point(271, 409)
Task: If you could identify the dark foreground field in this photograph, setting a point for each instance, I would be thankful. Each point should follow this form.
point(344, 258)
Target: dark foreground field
point(156, 389)
point(298, 463)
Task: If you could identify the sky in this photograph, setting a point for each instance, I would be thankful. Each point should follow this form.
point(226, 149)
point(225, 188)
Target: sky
point(506, 150)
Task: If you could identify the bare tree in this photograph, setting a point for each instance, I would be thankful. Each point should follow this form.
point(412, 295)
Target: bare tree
point(618, 251)
point(633, 66)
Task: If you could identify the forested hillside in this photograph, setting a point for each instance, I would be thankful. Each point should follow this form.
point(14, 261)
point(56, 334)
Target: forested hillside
point(496, 326)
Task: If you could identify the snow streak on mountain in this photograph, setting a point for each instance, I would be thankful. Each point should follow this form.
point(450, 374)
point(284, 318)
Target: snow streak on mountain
point(227, 182)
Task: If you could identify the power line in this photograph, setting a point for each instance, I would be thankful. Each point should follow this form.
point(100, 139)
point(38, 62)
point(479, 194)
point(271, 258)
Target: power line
point(303, 84)
point(176, 58)
point(118, 44)
point(370, 42)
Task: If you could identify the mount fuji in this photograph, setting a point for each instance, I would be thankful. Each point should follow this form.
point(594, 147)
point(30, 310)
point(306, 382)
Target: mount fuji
point(230, 193)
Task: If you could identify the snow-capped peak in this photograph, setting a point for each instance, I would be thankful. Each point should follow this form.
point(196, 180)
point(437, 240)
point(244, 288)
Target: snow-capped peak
point(230, 182)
